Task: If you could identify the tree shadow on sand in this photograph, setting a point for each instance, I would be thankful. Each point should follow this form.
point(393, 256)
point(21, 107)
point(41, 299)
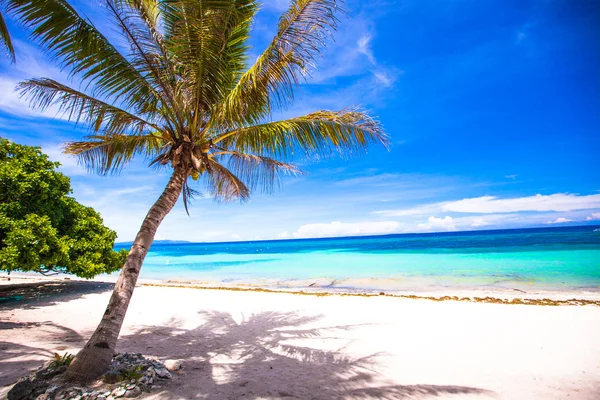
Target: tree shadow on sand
point(17, 360)
point(263, 356)
point(47, 293)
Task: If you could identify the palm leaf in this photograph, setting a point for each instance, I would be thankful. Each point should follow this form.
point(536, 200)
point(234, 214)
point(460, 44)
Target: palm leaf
point(257, 171)
point(209, 41)
point(146, 52)
point(44, 92)
point(110, 153)
point(302, 33)
point(76, 45)
point(316, 135)
point(223, 184)
point(5, 39)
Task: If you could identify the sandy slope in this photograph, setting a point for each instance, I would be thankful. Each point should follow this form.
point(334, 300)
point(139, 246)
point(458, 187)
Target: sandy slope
point(265, 345)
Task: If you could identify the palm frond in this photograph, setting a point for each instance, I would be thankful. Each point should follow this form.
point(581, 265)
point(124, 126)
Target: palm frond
point(44, 92)
point(188, 195)
point(256, 171)
point(301, 35)
point(223, 184)
point(209, 39)
point(5, 39)
point(76, 45)
point(146, 51)
point(316, 135)
point(110, 153)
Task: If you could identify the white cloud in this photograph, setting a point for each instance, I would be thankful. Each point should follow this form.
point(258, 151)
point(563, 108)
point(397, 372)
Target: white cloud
point(337, 228)
point(594, 217)
point(560, 220)
point(30, 64)
point(364, 47)
point(433, 223)
point(490, 204)
point(554, 202)
point(384, 78)
point(479, 222)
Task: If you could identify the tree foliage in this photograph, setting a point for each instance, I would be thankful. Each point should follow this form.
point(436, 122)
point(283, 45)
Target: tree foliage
point(42, 228)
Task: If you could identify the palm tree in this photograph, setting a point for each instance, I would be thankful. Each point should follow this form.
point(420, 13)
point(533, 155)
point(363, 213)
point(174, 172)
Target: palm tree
point(183, 97)
point(5, 39)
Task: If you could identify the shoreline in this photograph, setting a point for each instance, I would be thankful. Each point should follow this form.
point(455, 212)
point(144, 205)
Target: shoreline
point(510, 296)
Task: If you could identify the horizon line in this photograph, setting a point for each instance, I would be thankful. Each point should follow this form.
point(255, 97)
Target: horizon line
point(445, 233)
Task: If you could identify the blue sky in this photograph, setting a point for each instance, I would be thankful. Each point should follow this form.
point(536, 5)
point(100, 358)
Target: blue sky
point(492, 107)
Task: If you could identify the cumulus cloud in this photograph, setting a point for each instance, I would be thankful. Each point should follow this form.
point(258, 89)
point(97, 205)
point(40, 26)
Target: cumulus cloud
point(433, 223)
point(594, 217)
point(491, 204)
point(560, 220)
point(337, 228)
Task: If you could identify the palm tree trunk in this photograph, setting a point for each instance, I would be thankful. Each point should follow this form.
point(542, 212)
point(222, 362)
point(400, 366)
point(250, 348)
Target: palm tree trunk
point(94, 359)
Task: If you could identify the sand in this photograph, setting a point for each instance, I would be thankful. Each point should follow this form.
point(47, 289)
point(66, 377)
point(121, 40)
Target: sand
point(255, 345)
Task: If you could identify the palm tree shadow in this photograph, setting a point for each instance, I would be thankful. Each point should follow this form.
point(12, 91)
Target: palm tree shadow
point(267, 356)
point(46, 293)
point(17, 360)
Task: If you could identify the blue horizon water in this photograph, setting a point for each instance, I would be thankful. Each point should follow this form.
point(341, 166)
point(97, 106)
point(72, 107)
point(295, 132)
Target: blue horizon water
point(557, 258)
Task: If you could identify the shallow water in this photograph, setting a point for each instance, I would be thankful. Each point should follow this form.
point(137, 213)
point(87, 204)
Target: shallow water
point(556, 258)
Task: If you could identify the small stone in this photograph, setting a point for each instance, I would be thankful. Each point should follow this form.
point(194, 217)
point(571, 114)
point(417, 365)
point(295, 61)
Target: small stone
point(173, 365)
point(135, 392)
point(27, 388)
point(119, 392)
point(130, 386)
point(163, 373)
point(52, 390)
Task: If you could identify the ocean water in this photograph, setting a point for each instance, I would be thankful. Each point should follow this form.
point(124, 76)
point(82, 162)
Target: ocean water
point(557, 258)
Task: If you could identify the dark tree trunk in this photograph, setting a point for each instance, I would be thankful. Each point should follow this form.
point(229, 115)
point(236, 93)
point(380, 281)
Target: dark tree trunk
point(94, 359)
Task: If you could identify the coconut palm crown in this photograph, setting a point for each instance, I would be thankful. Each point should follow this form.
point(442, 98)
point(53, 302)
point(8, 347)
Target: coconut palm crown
point(182, 95)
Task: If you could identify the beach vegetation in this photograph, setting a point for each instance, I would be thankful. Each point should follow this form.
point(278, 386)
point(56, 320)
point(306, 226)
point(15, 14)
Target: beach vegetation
point(186, 96)
point(42, 228)
point(60, 361)
point(131, 373)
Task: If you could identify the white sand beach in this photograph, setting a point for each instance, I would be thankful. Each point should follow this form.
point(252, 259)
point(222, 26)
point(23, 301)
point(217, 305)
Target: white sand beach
point(256, 345)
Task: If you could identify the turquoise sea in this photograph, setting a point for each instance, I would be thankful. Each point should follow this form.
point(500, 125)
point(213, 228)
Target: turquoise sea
point(553, 258)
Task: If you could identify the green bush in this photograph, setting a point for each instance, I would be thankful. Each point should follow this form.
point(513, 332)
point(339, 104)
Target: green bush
point(42, 228)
